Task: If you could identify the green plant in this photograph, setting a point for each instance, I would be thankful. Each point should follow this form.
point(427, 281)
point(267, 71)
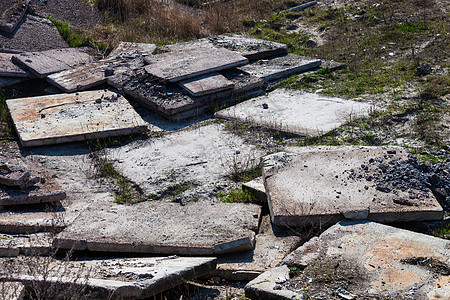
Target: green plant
point(442, 232)
point(236, 196)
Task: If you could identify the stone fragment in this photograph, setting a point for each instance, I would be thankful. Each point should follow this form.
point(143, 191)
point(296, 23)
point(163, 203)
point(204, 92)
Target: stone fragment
point(256, 187)
point(12, 245)
point(302, 190)
point(159, 227)
point(73, 117)
point(297, 112)
point(12, 14)
point(9, 69)
point(44, 63)
point(185, 64)
point(206, 84)
point(281, 66)
point(125, 47)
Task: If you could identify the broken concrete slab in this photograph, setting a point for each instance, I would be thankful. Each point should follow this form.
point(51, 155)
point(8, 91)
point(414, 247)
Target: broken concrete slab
point(302, 190)
point(13, 12)
point(25, 244)
point(273, 243)
point(281, 66)
point(206, 84)
point(12, 290)
point(186, 64)
point(64, 118)
point(124, 47)
point(44, 63)
point(9, 69)
point(160, 227)
point(24, 39)
point(256, 188)
point(297, 112)
point(372, 260)
point(126, 278)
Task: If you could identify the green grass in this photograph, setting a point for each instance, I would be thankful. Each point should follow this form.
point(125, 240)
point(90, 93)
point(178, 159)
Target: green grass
point(441, 231)
point(171, 191)
point(236, 196)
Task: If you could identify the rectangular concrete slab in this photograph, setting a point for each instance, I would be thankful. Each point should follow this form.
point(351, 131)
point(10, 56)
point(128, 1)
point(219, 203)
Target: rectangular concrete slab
point(126, 47)
point(371, 259)
point(9, 69)
point(281, 66)
point(302, 189)
point(12, 13)
point(206, 84)
point(297, 112)
point(159, 227)
point(181, 65)
point(44, 63)
point(73, 117)
point(126, 278)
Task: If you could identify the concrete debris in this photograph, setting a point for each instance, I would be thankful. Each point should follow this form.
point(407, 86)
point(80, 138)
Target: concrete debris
point(12, 245)
point(346, 185)
point(9, 69)
point(123, 48)
point(186, 64)
point(73, 117)
point(12, 290)
point(126, 278)
point(12, 13)
point(18, 177)
point(206, 84)
point(44, 63)
point(256, 188)
point(296, 112)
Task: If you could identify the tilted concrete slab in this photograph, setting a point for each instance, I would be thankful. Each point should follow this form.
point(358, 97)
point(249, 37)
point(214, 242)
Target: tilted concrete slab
point(73, 117)
point(297, 112)
point(256, 187)
point(9, 69)
point(12, 290)
point(281, 66)
point(372, 261)
point(206, 84)
point(302, 189)
point(185, 64)
point(160, 227)
point(126, 278)
point(125, 47)
point(12, 14)
point(44, 63)
point(25, 244)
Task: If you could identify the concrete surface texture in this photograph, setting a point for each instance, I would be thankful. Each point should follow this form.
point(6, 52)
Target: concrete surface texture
point(9, 69)
point(182, 65)
point(125, 47)
point(382, 261)
point(206, 84)
point(73, 117)
point(43, 63)
point(12, 245)
point(296, 112)
point(24, 39)
point(159, 227)
point(281, 66)
point(12, 13)
point(302, 189)
point(121, 278)
point(12, 290)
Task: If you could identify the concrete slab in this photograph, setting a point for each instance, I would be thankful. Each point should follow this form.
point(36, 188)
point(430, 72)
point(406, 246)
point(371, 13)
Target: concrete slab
point(12, 290)
point(44, 63)
point(281, 66)
point(24, 39)
point(297, 112)
point(127, 278)
point(206, 84)
point(96, 73)
point(256, 187)
point(159, 227)
point(25, 244)
point(13, 12)
point(374, 261)
point(9, 69)
point(302, 190)
point(64, 118)
point(182, 65)
point(125, 47)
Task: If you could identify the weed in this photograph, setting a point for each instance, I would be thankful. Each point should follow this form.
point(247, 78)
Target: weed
point(236, 196)
point(242, 167)
point(442, 232)
point(171, 191)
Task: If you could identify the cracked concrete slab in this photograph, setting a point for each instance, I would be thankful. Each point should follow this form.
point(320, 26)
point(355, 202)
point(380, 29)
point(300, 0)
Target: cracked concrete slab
point(124, 47)
point(73, 117)
point(206, 84)
point(186, 64)
point(41, 64)
point(381, 261)
point(160, 227)
point(297, 112)
point(302, 190)
point(9, 69)
point(13, 12)
point(12, 245)
point(281, 66)
point(121, 278)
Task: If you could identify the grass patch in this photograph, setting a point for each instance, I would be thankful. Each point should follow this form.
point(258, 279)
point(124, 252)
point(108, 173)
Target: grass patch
point(171, 192)
point(236, 196)
point(441, 232)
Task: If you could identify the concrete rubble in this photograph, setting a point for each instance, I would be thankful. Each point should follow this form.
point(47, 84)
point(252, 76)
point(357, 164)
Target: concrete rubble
point(12, 290)
point(12, 14)
point(12, 245)
point(9, 69)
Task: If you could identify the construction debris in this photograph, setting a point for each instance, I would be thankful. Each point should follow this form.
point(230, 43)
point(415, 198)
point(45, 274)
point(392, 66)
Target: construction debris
point(9, 69)
point(12, 14)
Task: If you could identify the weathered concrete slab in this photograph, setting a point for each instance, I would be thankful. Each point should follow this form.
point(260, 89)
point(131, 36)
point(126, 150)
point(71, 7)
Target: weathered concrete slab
point(160, 227)
point(281, 66)
point(73, 117)
point(127, 278)
point(12, 14)
point(25, 244)
point(302, 189)
point(297, 112)
point(125, 47)
point(273, 243)
point(9, 69)
point(96, 73)
point(185, 64)
point(44, 63)
point(206, 84)
point(24, 39)
point(172, 102)
point(12, 290)
point(372, 261)
point(256, 187)
point(10, 81)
